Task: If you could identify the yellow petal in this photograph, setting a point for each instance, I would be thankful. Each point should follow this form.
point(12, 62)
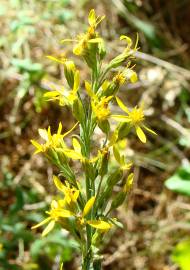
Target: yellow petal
point(94, 159)
point(126, 166)
point(54, 204)
point(133, 77)
point(92, 17)
point(58, 183)
point(72, 154)
point(128, 39)
point(69, 131)
point(37, 145)
point(49, 228)
point(43, 134)
point(129, 182)
point(95, 40)
point(67, 40)
point(78, 49)
point(88, 206)
point(121, 118)
point(76, 145)
point(41, 223)
point(121, 105)
point(99, 19)
point(99, 224)
point(150, 130)
point(64, 213)
point(49, 133)
point(88, 89)
point(51, 94)
point(137, 41)
point(75, 196)
point(59, 129)
point(141, 134)
point(56, 59)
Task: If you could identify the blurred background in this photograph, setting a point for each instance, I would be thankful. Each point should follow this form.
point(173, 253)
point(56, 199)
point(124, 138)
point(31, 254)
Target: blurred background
point(157, 217)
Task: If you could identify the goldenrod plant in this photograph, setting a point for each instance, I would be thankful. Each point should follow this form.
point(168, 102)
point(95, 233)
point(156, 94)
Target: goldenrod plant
point(88, 198)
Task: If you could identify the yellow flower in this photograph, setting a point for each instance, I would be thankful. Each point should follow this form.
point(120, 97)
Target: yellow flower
point(76, 153)
point(55, 214)
point(65, 98)
point(51, 141)
point(135, 118)
point(71, 194)
point(126, 54)
point(93, 20)
point(69, 71)
point(129, 44)
point(100, 105)
point(82, 44)
point(119, 78)
point(101, 109)
point(90, 36)
point(126, 74)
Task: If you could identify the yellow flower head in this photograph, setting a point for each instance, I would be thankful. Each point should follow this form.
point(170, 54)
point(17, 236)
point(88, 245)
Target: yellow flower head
point(101, 108)
point(65, 97)
point(51, 141)
point(82, 44)
point(90, 36)
point(93, 22)
point(71, 193)
point(119, 79)
point(55, 214)
point(97, 224)
point(135, 118)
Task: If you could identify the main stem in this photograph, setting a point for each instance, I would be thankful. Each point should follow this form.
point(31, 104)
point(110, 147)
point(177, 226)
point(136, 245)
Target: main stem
point(87, 256)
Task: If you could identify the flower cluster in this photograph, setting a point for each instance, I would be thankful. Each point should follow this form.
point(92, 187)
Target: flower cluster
point(84, 207)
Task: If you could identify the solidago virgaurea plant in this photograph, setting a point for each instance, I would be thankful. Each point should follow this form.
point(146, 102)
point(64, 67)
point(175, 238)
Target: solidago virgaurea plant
point(87, 198)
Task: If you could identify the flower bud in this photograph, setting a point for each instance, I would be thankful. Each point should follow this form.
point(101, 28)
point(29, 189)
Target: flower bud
point(118, 200)
point(69, 71)
point(104, 162)
point(78, 110)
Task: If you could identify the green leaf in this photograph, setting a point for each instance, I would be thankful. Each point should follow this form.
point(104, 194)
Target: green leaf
point(26, 65)
point(54, 243)
point(180, 181)
point(116, 222)
point(181, 255)
point(104, 126)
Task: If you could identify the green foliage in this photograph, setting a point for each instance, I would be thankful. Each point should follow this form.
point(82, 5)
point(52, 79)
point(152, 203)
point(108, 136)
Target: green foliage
point(53, 244)
point(180, 181)
point(15, 233)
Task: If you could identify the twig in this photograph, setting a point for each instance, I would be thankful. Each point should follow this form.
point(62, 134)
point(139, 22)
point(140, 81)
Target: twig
point(167, 65)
